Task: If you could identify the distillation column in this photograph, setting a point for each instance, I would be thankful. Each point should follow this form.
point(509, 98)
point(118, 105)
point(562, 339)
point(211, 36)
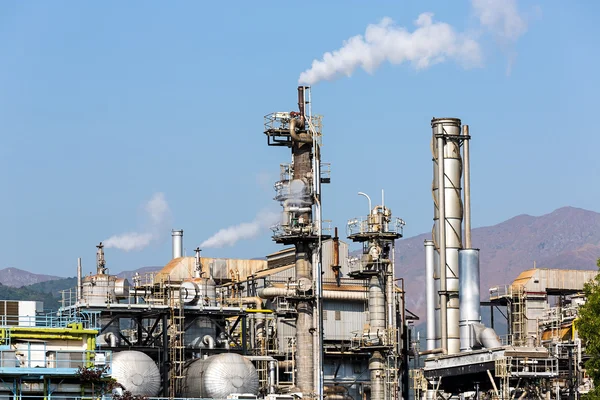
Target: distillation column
point(447, 231)
point(377, 233)
point(299, 193)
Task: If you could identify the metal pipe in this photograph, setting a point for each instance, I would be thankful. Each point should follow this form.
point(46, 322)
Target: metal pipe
point(377, 368)
point(368, 198)
point(299, 137)
point(272, 377)
point(467, 180)
point(430, 293)
point(79, 281)
point(442, 237)
point(431, 351)
point(209, 341)
point(272, 292)
point(469, 296)
point(177, 242)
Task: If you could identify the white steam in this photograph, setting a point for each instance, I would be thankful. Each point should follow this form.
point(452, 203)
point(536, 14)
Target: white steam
point(247, 230)
point(430, 43)
point(500, 17)
point(157, 213)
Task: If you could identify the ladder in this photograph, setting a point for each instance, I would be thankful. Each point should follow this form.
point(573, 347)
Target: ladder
point(391, 376)
point(176, 343)
point(519, 318)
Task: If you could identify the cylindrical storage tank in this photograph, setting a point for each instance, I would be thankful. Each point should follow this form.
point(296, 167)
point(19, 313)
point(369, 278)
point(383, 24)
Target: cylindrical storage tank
point(219, 376)
point(121, 288)
point(137, 372)
point(468, 265)
point(189, 292)
point(99, 289)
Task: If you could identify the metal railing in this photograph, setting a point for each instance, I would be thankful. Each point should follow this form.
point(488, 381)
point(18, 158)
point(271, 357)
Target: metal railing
point(56, 361)
point(311, 229)
point(368, 224)
point(89, 320)
point(374, 338)
point(362, 265)
point(523, 367)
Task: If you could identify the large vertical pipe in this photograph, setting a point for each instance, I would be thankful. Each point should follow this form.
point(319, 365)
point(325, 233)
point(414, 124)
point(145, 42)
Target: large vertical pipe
point(376, 307)
point(79, 282)
point(304, 327)
point(430, 293)
point(449, 224)
point(436, 280)
point(377, 368)
point(441, 236)
point(177, 240)
point(468, 262)
point(467, 180)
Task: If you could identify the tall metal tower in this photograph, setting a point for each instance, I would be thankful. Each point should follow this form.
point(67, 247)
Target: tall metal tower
point(378, 232)
point(299, 192)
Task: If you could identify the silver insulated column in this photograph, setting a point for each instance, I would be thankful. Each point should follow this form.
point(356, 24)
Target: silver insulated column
point(448, 215)
point(468, 261)
point(177, 238)
point(430, 293)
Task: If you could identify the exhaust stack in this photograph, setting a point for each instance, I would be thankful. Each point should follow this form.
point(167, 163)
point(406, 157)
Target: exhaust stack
point(177, 240)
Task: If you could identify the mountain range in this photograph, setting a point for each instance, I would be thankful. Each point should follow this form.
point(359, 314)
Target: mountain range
point(567, 238)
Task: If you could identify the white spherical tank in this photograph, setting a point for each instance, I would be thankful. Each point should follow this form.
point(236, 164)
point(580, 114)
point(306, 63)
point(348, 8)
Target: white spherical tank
point(219, 376)
point(137, 372)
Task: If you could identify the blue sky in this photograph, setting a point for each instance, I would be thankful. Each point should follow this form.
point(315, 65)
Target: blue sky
point(103, 105)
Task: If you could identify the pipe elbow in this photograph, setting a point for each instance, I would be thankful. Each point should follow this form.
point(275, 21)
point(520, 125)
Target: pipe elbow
point(299, 137)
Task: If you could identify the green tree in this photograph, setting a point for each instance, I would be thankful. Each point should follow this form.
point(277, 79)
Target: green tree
point(588, 326)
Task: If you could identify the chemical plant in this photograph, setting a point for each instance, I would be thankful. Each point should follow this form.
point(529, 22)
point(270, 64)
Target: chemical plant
point(314, 320)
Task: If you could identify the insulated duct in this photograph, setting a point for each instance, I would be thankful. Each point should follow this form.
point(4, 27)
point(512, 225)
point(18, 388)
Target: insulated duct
point(177, 240)
point(468, 262)
point(272, 292)
point(430, 293)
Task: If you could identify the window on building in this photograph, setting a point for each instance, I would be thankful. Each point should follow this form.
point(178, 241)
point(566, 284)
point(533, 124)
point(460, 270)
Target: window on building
point(338, 315)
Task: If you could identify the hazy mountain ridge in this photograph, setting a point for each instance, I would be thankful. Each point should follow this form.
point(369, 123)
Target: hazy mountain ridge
point(567, 238)
point(15, 277)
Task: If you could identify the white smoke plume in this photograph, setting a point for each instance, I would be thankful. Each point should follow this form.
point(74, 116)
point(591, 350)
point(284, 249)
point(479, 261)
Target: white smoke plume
point(430, 43)
point(157, 213)
point(501, 17)
point(247, 230)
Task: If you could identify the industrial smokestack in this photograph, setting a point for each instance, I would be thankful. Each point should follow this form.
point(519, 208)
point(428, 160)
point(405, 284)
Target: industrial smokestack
point(448, 216)
point(79, 281)
point(177, 238)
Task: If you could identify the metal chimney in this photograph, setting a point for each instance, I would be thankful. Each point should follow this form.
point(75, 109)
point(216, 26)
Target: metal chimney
point(177, 238)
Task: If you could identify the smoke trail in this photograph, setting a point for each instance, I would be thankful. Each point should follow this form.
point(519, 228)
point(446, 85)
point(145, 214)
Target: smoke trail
point(158, 214)
point(247, 230)
point(430, 43)
point(501, 17)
